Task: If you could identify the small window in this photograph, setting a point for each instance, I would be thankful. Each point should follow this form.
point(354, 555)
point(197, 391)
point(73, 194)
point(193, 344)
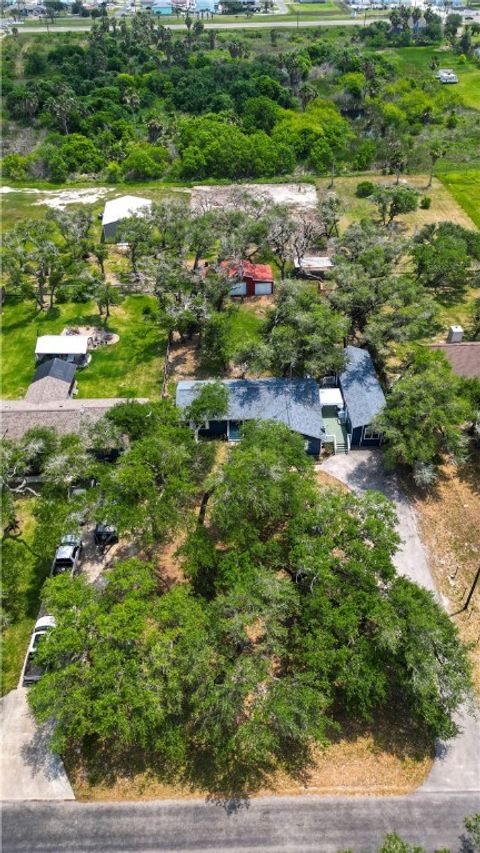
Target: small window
point(369, 434)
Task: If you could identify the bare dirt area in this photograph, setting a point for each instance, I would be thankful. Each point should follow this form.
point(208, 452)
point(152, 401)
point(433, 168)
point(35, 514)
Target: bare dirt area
point(450, 527)
point(94, 563)
point(300, 197)
point(60, 199)
point(384, 761)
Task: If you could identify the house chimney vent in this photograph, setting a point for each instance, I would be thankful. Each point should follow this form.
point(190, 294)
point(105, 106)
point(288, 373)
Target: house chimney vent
point(455, 335)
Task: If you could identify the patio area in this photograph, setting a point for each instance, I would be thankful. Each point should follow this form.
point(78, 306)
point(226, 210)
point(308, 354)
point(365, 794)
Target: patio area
point(334, 427)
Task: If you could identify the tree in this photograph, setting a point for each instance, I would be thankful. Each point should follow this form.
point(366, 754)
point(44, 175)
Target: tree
point(210, 404)
point(330, 213)
point(280, 235)
point(423, 420)
point(442, 265)
point(436, 150)
point(215, 343)
point(137, 232)
point(106, 295)
point(394, 201)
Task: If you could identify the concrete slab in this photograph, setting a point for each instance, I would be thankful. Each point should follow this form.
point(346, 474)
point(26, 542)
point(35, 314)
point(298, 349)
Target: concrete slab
point(457, 763)
point(28, 768)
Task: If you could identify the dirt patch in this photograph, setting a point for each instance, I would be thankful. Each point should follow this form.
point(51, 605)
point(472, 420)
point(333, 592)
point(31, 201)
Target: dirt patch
point(300, 197)
point(98, 337)
point(183, 361)
point(93, 563)
point(59, 199)
point(450, 527)
point(363, 762)
point(326, 481)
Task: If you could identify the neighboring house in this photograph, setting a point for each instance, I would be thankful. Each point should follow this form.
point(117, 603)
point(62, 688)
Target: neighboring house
point(65, 416)
point(54, 380)
point(294, 402)
point(164, 9)
point(71, 348)
point(250, 279)
point(121, 208)
point(312, 266)
point(464, 357)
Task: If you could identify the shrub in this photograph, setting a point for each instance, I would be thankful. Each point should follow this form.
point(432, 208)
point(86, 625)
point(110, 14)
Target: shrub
point(14, 166)
point(365, 189)
point(426, 202)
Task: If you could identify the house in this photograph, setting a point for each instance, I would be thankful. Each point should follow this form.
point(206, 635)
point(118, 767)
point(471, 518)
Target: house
point(363, 397)
point(121, 208)
point(71, 348)
point(294, 402)
point(65, 416)
point(464, 357)
point(53, 380)
point(312, 266)
point(163, 9)
point(250, 279)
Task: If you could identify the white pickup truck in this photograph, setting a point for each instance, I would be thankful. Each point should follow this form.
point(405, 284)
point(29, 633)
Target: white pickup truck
point(32, 671)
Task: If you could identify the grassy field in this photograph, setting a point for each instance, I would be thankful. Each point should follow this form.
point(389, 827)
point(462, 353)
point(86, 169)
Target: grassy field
point(465, 189)
point(445, 205)
point(16, 636)
point(411, 60)
point(131, 367)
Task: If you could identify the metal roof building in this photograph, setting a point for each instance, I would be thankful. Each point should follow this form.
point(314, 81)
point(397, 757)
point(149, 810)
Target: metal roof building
point(61, 345)
point(122, 208)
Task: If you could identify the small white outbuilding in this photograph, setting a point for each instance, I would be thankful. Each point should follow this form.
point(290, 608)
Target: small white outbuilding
point(122, 208)
point(72, 348)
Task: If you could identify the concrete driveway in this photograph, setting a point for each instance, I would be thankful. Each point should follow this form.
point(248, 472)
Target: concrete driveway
point(457, 763)
point(28, 769)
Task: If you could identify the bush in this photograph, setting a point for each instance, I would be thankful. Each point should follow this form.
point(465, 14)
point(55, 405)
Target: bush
point(365, 189)
point(426, 202)
point(14, 166)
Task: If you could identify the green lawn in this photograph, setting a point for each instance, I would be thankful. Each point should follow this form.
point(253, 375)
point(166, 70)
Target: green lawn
point(465, 188)
point(244, 326)
point(16, 636)
point(133, 366)
point(411, 60)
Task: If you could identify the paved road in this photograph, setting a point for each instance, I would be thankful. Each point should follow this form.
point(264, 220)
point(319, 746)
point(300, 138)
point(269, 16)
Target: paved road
point(457, 763)
point(247, 25)
point(287, 825)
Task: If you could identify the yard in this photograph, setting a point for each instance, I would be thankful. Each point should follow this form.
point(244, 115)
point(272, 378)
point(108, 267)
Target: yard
point(412, 60)
point(131, 367)
point(445, 206)
point(16, 635)
point(449, 526)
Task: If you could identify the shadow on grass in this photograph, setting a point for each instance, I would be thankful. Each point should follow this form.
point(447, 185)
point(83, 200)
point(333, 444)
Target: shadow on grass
point(231, 784)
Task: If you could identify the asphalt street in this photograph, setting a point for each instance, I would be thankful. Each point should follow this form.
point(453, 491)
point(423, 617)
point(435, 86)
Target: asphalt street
point(246, 25)
point(270, 825)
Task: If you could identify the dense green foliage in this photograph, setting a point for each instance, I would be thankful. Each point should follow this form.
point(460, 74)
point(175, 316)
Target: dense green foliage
point(137, 102)
point(292, 608)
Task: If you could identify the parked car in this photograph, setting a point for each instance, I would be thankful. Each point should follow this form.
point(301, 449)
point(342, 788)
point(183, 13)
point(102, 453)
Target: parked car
point(104, 536)
point(67, 555)
point(33, 671)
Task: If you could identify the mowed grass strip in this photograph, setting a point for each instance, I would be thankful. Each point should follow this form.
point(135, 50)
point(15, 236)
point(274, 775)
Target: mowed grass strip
point(131, 367)
point(465, 189)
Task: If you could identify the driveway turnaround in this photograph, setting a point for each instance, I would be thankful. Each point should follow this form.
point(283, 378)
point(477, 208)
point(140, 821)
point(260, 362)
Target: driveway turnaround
point(264, 825)
point(457, 763)
point(28, 769)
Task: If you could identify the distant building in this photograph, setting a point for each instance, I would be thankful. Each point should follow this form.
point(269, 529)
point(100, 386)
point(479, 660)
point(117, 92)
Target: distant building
point(162, 9)
point(121, 208)
point(250, 279)
point(54, 380)
point(312, 266)
point(65, 416)
point(446, 75)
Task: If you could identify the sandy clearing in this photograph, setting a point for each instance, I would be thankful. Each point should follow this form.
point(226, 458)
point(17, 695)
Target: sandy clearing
point(59, 199)
point(299, 196)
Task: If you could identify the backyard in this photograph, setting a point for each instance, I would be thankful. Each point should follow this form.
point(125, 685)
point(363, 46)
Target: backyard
point(412, 60)
point(131, 367)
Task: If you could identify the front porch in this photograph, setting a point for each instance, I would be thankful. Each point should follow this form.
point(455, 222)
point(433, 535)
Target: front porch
point(336, 432)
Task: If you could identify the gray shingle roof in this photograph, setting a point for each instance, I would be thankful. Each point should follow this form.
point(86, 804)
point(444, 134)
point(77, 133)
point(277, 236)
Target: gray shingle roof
point(65, 416)
point(360, 386)
point(56, 368)
point(294, 402)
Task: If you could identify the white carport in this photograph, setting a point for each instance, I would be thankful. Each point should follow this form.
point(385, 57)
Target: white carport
point(72, 348)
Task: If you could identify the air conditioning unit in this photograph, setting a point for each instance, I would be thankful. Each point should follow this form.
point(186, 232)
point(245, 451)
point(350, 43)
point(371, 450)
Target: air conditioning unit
point(455, 335)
